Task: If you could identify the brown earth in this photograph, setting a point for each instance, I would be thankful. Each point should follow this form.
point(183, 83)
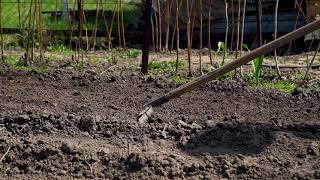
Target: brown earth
point(64, 125)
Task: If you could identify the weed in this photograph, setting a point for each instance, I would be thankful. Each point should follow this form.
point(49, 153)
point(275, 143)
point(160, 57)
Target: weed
point(163, 66)
point(256, 65)
point(15, 63)
point(60, 49)
point(51, 58)
point(284, 86)
point(80, 66)
point(131, 53)
point(221, 47)
point(180, 79)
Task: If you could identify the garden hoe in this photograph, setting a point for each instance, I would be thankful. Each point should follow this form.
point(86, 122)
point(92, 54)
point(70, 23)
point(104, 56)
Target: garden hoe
point(145, 115)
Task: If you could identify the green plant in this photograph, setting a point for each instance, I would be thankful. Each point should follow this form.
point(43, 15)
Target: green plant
point(284, 86)
point(60, 49)
point(16, 63)
point(131, 53)
point(256, 65)
point(80, 66)
point(221, 48)
point(158, 67)
point(51, 58)
point(180, 79)
point(210, 68)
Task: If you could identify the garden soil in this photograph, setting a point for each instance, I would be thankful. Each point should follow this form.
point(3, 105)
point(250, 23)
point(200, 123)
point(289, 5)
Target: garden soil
point(67, 125)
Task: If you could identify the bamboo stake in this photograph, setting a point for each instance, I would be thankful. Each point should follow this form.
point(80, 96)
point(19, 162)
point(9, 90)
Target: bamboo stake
point(40, 30)
point(209, 32)
point(232, 25)
point(312, 61)
point(160, 25)
point(122, 26)
point(238, 32)
point(178, 32)
point(157, 30)
point(296, 22)
point(242, 30)
point(243, 25)
point(95, 29)
point(152, 33)
point(119, 25)
point(188, 36)
point(168, 13)
point(226, 33)
point(200, 56)
point(275, 37)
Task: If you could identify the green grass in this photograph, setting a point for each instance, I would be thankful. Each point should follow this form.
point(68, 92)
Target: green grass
point(15, 63)
point(180, 79)
point(284, 86)
point(131, 53)
point(60, 49)
point(10, 13)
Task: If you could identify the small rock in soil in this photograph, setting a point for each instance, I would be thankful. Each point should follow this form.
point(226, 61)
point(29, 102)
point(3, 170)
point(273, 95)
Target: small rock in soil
point(314, 149)
point(317, 174)
point(88, 123)
point(67, 148)
point(183, 124)
point(210, 124)
point(22, 119)
point(196, 126)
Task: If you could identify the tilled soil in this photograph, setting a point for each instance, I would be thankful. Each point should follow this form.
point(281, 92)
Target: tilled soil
point(64, 125)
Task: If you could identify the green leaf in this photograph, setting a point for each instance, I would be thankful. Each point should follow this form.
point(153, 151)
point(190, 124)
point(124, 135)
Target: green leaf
point(246, 47)
point(257, 67)
point(221, 46)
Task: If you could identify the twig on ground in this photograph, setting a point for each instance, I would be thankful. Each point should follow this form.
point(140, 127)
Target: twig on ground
point(5, 154)
point(163, 133)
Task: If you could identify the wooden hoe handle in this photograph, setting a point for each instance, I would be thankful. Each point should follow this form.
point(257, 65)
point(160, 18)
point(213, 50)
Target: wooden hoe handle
point(267, 48)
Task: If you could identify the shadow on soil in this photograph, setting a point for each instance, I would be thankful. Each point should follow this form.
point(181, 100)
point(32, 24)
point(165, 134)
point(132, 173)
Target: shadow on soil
point(228, 138)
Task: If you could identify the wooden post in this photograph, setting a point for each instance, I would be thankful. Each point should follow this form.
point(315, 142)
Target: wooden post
point(146, 37)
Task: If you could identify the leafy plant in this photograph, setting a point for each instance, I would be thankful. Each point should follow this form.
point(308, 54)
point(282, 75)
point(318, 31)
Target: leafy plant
point(131, 53)
point(221, 47)
point(61, 49)
point(80, 66)
point(16, 63)
point(156, 67)
point(256, 65)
